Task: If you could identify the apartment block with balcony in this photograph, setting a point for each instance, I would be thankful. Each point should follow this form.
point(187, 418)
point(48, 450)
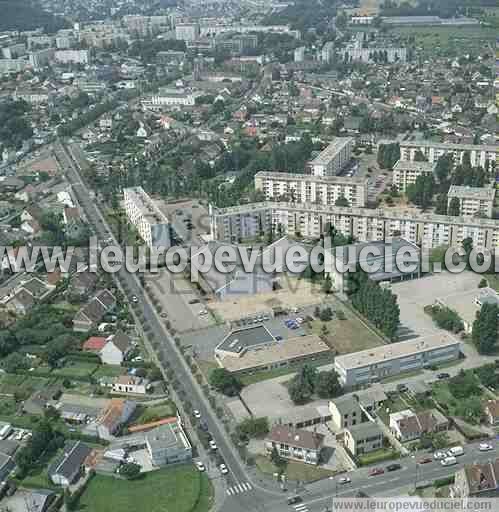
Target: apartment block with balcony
point(406, 172)
point(151, 223)
point(473, 201)
point(304, 188)
point(332, 160)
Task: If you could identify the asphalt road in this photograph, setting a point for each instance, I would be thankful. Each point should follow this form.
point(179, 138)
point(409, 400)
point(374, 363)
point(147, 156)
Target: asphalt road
point(237, 480)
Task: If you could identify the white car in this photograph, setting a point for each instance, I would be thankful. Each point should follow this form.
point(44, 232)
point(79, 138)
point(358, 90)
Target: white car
point(485, 447)
point(299, 320)
point(439, 455)
point(213, 445)
point(223, 469)
point(196, 413)
point(344, 480)
point(135, 299)
point(200, 466)
point(203, 312)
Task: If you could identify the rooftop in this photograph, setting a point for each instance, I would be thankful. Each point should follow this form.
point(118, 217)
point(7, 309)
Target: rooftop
point(408, 165)
point(296, 437)
point(332, 150)
point(247, 338)
point(395, 350)
point(293, 348)
point(167, 436)
point(327, 180)
point(363, 430)
point(484, 194)
point(447, 146)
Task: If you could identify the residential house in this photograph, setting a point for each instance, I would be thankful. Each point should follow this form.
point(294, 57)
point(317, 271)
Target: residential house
point(477, 481)
point(32, 213)
point(345, 411)
point(93, 312)
point(116, 349)
point(295, 444)
point(115, 416)
point(492, 412)
point(372, 398)
point(21, 302)
point(68, 467)
point(363, 438)
point(37, 403)
point(168, 444)
point(94, 344)
point(84, 282)
point(407, 425)
point(131, 384)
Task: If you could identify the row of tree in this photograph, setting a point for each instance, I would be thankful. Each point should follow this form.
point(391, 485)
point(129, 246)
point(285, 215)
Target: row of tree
point(485, 328)
point(388, 155)
point(378, 305)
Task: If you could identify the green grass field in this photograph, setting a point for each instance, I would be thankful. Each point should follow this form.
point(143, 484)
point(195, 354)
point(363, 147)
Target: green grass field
point(176, 489)
point(109, 371)
point(145, 414)
point(75, 369)
point(294, 470)
point(23, 384)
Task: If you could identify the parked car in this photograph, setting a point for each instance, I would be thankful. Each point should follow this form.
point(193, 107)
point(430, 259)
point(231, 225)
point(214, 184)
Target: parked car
point(438, 455)
point(485, 447)
point(448, 461)
point(213, 445)
point(194, 301)
point(344, 480)
point(456, 451)
point(443, 375)
point(294, 499)
point(393, 467)
point(200, 466)
point(196, 413)
point(376, 471)
point(223, 469)
point(426, 460)
point(135, 299)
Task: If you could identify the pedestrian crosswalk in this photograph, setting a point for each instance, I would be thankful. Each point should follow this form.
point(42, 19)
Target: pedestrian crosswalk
point(239, 489)
point(301, 508)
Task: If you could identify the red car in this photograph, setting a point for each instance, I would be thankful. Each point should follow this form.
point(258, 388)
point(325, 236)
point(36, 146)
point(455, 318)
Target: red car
point(425, 460)
point(376, 471)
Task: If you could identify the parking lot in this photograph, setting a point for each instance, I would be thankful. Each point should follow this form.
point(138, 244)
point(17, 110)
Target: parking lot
point(414, 295)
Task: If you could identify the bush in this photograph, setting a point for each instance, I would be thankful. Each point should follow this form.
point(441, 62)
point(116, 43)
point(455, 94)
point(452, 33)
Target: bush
point(253, 427)
point(442, 482)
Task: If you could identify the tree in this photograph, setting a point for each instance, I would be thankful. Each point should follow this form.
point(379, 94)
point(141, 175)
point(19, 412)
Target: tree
point(454, 207)
point(419, 156)
point(444, 167)
point(278, 461)
point(421, 192)
point(485, 328)
point(224, 382)
point(441, 204)
point(327, 285)
point(342, 201)
point(301, 387)
point(483, 283)
point(327, 384)
point(130, 471)
point(15, 362)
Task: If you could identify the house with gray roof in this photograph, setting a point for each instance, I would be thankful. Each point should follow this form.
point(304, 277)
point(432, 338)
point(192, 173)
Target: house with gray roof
point(363, 438)
point(69, 465)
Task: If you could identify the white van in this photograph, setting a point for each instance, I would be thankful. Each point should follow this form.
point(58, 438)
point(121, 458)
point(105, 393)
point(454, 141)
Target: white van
point(456, 451)
point(448, 461)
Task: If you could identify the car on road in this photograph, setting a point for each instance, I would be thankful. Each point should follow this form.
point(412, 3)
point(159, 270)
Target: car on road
point(292, 500)
point(164, 315)
point(443, 375)
point(203, 312)
point(196, 413)
point(485, 447)
point(135, 299)
point(344, 480)
point(213, 445)
point(200, 466)
point(426, 460)
point(439, 455)
point(278, 338)
point(194, 301)
point(223, 469)
point(393, 467)
point(376, 472)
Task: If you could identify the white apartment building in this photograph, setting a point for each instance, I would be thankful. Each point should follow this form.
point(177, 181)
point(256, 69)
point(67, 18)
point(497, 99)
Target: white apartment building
point(151, 223)
point(327, 53)
point(473, 201)
point(299, 54)
point(31, 96)
point(310, 220)
point(41, 58)
point(65, 41)
point(304, 188)
point(14, 51)
point(167, 97)
point(72, 56)
point(406, 172)
point(187, 31)
point(362, 368)
point(334, 158)
point(434, 150)
point(375, 54)
point(12, 66)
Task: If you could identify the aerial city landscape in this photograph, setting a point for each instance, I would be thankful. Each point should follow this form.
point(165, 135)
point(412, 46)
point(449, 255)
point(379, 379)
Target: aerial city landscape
point(248, 255)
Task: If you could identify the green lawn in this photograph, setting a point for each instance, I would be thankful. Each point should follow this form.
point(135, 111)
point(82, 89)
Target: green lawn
point(145, 414)
point(393, 405)
point(109, 371)
point(75, 369)
point(175, 489)
point(294, 470)
point(23, 384)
